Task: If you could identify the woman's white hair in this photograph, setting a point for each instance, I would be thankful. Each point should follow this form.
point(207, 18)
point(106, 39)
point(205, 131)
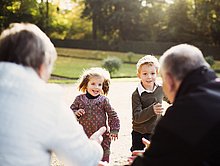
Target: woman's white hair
point(26, 44)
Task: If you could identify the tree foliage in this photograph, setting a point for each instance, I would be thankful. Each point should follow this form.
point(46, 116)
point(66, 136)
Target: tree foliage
point(114, 18)
point(192, 21)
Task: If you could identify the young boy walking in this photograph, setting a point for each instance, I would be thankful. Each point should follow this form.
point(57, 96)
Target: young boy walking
point(146, 101)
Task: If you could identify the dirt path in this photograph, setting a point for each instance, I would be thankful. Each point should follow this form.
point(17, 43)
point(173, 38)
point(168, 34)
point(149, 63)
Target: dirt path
point(120, 99)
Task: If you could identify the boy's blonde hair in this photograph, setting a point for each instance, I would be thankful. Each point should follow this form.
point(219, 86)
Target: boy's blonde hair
point(94, 72)
point(148, 59)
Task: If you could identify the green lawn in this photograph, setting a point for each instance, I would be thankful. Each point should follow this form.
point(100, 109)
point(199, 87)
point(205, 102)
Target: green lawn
point(72, 67)
point(216, 65)
point(97, 54)
point(71, 63)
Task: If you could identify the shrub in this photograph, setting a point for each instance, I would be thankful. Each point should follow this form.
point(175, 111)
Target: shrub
point(112, 64)
point(210, 60)
point(130, 55)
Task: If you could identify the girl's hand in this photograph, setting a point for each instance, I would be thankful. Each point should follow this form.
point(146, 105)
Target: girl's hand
point(158, 109)
point(113, 136)
point(80, 112)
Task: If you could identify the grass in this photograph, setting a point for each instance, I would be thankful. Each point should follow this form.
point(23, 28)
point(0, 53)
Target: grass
point(216, 66)
point(71, 67)
point(71, 63)
point(97, 54)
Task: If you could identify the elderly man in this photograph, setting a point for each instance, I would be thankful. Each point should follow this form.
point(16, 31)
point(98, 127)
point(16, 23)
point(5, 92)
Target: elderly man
point(34, 121)
point(189, 133)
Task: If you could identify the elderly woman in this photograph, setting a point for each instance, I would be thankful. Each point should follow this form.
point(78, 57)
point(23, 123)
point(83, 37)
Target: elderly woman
point(34, 122)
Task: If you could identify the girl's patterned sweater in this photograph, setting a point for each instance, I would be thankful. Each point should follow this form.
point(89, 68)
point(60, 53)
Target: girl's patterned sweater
point(97, 112)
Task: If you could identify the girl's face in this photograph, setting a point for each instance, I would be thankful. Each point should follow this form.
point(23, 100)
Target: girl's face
point(94, 86)
point(148, 75)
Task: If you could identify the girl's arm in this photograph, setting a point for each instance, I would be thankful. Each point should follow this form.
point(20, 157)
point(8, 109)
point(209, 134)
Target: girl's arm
point(76, 108)
point(113, 119)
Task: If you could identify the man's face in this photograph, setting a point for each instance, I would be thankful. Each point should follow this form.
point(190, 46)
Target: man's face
point(168, 86)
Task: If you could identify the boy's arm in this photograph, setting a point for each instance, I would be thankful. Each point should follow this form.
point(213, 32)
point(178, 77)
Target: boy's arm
point(141, 115)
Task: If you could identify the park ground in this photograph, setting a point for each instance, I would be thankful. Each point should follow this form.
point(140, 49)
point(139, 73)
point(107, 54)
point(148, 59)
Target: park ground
point(120, 99)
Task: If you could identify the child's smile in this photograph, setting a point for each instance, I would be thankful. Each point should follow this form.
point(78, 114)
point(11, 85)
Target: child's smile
point(94, 86)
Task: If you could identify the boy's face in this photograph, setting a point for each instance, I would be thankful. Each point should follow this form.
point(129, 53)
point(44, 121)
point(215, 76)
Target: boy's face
point(148, 75)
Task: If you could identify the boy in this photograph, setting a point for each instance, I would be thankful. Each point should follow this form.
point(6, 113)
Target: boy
point(146, 101)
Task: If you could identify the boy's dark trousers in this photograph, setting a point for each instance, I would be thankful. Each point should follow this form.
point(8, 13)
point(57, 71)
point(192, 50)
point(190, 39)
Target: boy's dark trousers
point(137, 143)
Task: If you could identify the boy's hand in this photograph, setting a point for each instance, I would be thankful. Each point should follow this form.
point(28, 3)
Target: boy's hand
point(113, 136)
point(158, 109)
point(136, 153)
point(146, 143)
point(80, 112)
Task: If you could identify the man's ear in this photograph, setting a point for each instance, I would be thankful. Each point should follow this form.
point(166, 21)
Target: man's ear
point(170, 82)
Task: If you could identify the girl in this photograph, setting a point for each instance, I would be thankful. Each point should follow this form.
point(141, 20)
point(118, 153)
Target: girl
point(92, 108)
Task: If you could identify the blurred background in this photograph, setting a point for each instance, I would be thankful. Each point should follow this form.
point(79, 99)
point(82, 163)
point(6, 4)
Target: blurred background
point(125, 29)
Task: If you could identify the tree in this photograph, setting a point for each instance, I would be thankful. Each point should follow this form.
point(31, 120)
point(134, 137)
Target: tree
point(207, 15)
point(6, 13)
point(17, 11)
point(114, 18)
point(93, 10)
point(180, 26)
point(124, 19)
point(154, 20)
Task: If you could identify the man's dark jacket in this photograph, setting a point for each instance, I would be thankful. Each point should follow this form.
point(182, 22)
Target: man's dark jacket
point(189, 133)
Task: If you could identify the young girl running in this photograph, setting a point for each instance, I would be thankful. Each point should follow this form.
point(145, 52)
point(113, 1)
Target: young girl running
point(92, 108)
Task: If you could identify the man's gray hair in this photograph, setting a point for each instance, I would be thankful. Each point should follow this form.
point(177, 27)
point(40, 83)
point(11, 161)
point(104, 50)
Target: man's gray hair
point(179, 60)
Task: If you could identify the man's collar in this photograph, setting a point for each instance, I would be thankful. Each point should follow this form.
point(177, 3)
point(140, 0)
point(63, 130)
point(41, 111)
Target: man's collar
point(195, 78)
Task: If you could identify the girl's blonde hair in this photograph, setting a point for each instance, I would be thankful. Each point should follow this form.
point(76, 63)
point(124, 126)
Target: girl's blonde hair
point(94, 72)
